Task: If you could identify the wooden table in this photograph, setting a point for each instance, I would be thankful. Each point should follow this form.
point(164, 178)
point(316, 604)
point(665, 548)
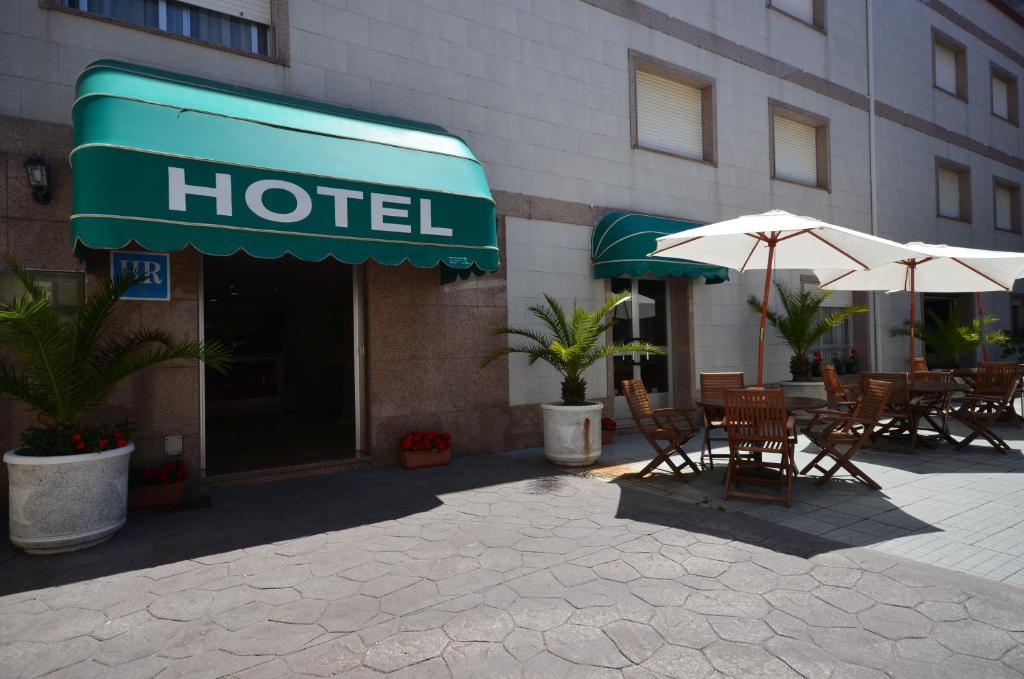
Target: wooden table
point(793, 403)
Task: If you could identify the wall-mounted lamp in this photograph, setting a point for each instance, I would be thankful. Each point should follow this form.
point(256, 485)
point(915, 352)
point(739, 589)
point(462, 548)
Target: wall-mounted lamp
point(38, 175)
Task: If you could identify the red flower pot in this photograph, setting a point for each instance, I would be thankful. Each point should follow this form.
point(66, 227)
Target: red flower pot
point(414, 459)
point(607, 436)
point(148, 497)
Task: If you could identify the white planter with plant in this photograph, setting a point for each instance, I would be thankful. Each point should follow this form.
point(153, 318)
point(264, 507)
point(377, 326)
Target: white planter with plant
point(68, 481)
point(571, 345)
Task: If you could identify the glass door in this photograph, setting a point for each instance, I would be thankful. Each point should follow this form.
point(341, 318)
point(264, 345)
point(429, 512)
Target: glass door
point(643, 317)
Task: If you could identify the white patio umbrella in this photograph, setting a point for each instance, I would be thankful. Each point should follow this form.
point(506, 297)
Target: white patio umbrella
point(778, 240)
point(933, 268)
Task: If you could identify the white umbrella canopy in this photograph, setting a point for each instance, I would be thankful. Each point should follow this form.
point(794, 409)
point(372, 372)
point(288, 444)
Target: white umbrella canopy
point(933, 268)
point(779, 240)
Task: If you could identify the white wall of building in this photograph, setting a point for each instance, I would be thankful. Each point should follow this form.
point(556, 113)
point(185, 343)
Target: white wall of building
point(539, 90)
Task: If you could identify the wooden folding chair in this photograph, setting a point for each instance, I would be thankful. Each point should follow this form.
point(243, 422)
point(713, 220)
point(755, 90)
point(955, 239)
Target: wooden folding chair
point(849, 430)
point(918, 364)
point(840, 396)
point(712, 387)
point(758, 428)
point(994, 387)
point(901, 414)
point(666, 429)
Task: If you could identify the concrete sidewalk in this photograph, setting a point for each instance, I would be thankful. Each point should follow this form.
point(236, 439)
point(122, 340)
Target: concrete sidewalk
point(497, 566)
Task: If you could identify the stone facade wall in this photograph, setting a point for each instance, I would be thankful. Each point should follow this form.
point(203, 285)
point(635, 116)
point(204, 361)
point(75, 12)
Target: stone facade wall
point(163, 401)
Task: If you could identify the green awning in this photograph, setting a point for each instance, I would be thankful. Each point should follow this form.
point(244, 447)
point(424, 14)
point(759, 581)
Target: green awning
point(168, 161)
point(622, 242)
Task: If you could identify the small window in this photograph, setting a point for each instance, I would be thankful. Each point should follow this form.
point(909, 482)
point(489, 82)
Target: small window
point(1006, 207)
point(799, 146)
point(810, 12)
point(672, 110)
point(65, 288)
point(953, 190)
point(239, 24)
point(1004, 95)
point(950, 65)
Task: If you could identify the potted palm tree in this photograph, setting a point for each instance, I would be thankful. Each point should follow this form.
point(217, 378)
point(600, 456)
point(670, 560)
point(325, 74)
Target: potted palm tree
point(570, 345)
point(802, 324)
point(951, 339)
point(68, 481)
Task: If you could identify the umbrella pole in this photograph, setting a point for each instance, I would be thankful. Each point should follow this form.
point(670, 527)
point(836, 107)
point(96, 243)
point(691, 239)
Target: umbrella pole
point(981, 328)
point(764, 310)
point(913, 310)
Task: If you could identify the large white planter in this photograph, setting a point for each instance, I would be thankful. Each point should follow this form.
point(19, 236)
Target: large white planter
point(572, 434)
point(67, 502)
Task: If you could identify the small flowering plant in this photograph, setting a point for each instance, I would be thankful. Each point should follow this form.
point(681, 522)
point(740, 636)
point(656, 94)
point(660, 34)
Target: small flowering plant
point(73, 440)
point(164, 475)
point(427, 440)
point(608, 424)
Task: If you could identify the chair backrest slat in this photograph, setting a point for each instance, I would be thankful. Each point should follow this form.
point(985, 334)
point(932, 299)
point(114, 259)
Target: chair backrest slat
point(636, 397)
point(713, 385)
point(918, 364)
point(899, 392)
point(834, 391)
point(996, 380)
point(756, 415)
point(874, 398)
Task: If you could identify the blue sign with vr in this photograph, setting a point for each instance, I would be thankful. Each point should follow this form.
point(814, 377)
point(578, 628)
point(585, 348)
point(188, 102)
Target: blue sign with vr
point(153, 268)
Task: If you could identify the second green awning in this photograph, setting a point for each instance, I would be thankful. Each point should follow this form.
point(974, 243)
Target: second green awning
point(622, 241)
point(168, 160)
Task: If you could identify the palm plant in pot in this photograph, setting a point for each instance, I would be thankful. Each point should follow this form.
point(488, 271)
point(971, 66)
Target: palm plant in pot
point(68, 480)
point(802, 324)
point(570, 344)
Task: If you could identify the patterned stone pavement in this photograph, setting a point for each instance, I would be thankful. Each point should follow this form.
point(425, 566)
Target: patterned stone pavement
point(498, 566)
point(962, 510)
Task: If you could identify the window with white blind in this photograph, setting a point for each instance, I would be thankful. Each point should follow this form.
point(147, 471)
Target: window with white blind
point(1006, 205)
point(672, 110)
point(243, 25)
point(811, 12)
point(1004, 95)
point(799, 146)
point(952, 187)
point(949, 65)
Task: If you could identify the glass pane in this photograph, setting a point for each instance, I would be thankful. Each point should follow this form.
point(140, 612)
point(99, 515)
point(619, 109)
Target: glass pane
point(140, 12)
point(622, 330)
point(65, 289)
point(654, 372)
point(622, 369)
point(652, 312)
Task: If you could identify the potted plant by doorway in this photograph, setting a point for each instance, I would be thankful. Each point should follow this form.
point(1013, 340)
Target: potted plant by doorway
point(155, 487)
point(68, 481)
point(608, 427)
point(426, 449)
point(570, 345)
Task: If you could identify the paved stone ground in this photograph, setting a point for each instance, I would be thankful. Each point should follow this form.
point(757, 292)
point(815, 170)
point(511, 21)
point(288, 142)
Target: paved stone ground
point(957, 509)
point(498, 566)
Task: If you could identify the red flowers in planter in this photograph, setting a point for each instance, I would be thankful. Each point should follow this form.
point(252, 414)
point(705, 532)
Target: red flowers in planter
point(164, 475)
point(427, 440)
point(608, 424)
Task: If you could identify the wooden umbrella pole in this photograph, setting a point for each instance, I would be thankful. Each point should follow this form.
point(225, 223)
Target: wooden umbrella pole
point(913, 310)
point(981, 327)
point(764, 309)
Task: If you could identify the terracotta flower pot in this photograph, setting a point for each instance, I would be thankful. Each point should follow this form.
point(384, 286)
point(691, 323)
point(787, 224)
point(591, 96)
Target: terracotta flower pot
point(147, 497)
point(414, 459)
point(607, 436)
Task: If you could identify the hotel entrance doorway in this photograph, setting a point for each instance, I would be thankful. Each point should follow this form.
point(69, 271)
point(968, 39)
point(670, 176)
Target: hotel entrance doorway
point(289, 398)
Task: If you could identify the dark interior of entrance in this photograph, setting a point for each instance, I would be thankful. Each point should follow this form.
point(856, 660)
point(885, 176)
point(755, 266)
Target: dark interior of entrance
point(289, 398)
